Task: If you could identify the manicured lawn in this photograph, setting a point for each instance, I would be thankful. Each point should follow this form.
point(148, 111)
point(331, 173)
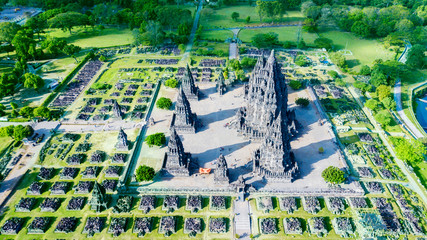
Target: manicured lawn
point(221, 18)
point(221, 35)
point(364, 51)
point(4, 143)
point(285, 34)
point(85, 37)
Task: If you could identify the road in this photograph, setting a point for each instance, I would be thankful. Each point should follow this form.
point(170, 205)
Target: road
point(193, 33)
point(399, 109)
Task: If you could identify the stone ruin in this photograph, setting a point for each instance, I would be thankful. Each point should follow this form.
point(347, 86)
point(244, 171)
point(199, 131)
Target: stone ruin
point(176, 161)
point(122, 141)
point(221, 171)
point(99, 200)
point(183, 120)
point(266, 118)
point(117, 111)
point(220, 85)
point(187, 82)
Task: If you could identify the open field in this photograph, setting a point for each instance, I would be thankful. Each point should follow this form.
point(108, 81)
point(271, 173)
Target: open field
point(86, 37)
point(220, 35)
point(221, 18)
point(364, 51)
point(285, 34)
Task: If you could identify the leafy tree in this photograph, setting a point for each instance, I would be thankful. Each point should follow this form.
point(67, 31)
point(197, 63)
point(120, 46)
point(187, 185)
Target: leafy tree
point(365, 70)
point(20, 132)
point(310, 25)
point(389, 103)
point(417, 57)
point(171, 82)
point(333, 175)
point(235, 16)
point(7, 131)
point(301, 60)
point(302, 102)
point(164, 103)
point(53, 46)
point(378, 78)
point(383, 91)
point(267, 40)
point(144, 173)
point(153, 34)
point(404, 26)
point(8, 31)
point(22, 42)
point(339, 59)
point(156, 139)
point(33, 81)
point(26, 111)
point(71, 50)
point(301, 44)
point(248, 19)
point(384, 118)
point(372, 104)
point(248, 63)
point(409, 150)
point(102, 58)
point(361, 29)
point(14, 105)
point(333, 73)
point(68, 20)
point(42, 112)
point(323, 43)
point(234, 64)
point(295, 84)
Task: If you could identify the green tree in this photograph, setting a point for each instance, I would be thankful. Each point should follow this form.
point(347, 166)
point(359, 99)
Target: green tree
point(153, 34)
point(310, 25)
point(378, 78)
point(389, 103)
point(7, 131)
point(171, 82)
point(267, 40)
point(156, 139)
point(102, 58)
point(235, 16)
point(33, 81)
point(248, 19)
point(301, 60)
point(42, 112)
point(68, 20)
point(71, 50)
point(417, 57)
point(164, 103)
point(333, 74)
point(8, 31)
point(302, 102)
point(384, 118)
point(409, 150)
point(383, 91)
point(22, 42)
point(339, 59)
point(26, 111)
point(365, 70)
point(333, 175)
point(14, 105)
point(144, 173)
point(361, 29)
point(323, 43)
point(295, 84)
point(20, 132)
point(372, 104)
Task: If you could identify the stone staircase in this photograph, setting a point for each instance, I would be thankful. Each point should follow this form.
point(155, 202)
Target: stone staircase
point(242, 219)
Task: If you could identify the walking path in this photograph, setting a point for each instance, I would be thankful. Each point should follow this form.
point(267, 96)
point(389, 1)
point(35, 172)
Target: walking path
point(242, 219)
point(256, 27)
point(192, 34)
point(233, 52)
point(409, 125)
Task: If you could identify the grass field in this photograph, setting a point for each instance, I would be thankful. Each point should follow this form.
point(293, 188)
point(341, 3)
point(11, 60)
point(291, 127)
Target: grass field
point(285, 34)
point(4, 143)
point(221, 18)
point(364, 51)
point(86, 37)
point(220, 35)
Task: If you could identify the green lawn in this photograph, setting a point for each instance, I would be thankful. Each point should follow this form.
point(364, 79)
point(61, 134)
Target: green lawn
point(4, 143)
point(285, 34)
point(220, 35)
point(221, 18)
point(364, 51)
point(85, 37)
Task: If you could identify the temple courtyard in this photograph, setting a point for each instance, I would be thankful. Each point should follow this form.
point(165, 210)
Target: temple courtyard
point(214, 136)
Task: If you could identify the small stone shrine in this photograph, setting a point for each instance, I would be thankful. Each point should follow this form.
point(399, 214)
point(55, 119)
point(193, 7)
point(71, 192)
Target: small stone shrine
point(187, 83)
point(183, 120)
point(99, 200)
point(177, 161)
point(221, 171)
point(122, 141)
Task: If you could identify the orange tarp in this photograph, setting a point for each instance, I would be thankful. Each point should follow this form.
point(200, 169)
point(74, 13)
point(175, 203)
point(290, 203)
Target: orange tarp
point(204, 170)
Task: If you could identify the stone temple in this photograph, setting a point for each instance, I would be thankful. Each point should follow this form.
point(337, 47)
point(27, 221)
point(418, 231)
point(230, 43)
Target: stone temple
point(266, 94)
point(177, 162)
point(221, 171)
point(183, 120)
point(266, 119)
point(187, 83)
point(122, 141)
point(221, 88)
point(117, 111)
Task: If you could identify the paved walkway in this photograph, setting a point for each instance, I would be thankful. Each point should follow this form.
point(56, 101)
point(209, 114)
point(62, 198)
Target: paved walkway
point(242, 219)
point(399, 109)
point(192, 34)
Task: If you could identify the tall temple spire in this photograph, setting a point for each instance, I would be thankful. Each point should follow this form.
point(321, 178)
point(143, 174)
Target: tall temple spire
point(177, 161)
point(183, 120)
point(221, 171)
point(117, 110)
point(220, 85)
point(122, 141)
point(99, 200)
point(190, 89)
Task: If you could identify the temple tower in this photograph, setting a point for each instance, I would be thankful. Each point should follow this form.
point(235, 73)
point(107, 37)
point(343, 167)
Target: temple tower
point(187, 83)
point(99, 200)
point(122, 141)
point(117, 110)
point(177, 161)
point(183, 120)
point(221, 171)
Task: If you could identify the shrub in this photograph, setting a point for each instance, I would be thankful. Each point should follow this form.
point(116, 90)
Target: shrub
point(333, 73)
point(164, 103)
point(302, 102)
point(321, 150)
point(102, 58)
point(333, 175)
point(384, 118)
point(144, 173)
point(295, 85)
point(157, 139)
point(301, 61)
point(372, 104)
point(172, 83)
